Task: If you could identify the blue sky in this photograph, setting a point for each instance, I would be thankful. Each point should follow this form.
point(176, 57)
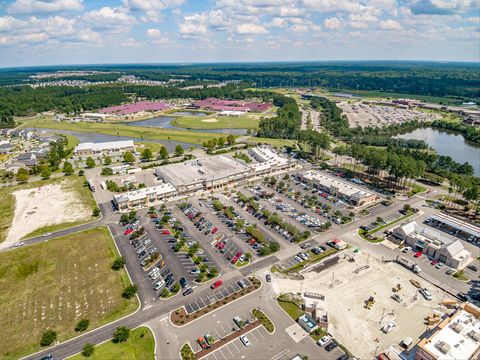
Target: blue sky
point(45, 32)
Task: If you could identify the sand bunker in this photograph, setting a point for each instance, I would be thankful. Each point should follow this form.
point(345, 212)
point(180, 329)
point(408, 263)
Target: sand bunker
point(209, 120)
point(43, 206)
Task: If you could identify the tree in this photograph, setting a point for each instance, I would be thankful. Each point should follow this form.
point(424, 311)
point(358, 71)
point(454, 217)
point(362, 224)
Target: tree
point(132, 215)
point(163, 153)
point(107, 160)
point(96, 212)
point(124, 218)
point(81, 173)
point(176, 288)
point(147, 154)
point(128, 157)
point(179, 150)
point(230, 139)
point(106, 171)
point(121, 334)
point(48, 338)
point(90, 163)
point(221, 141)
point(67, 168)
point(118, 263)
point(82, 325)
point(88, 350)
point(22, 175)
point(129, 291)
point(46, 172)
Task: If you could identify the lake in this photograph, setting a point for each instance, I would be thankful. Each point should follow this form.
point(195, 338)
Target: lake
point(95, 138)
point(165, 123)
point(447, 143)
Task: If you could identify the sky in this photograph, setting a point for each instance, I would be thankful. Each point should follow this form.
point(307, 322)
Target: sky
point(52, 32)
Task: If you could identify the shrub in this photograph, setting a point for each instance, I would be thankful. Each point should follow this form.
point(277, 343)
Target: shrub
point(118, 263)
point(82, 325)
point(48, 338)
point(129, 291)
point(121, 334)
point(88, 350)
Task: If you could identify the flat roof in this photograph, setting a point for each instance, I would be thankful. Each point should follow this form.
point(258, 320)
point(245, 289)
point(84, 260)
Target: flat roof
point(456, 337)
point(109, 145)
point(139, 194)
point(457, 223)
point(199, 170)
point(332, 182)
point(267, 154)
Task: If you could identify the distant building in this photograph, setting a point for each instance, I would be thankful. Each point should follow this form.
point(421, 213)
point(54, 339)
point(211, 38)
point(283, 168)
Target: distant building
point(231, 105)
point(433, 244)
point(347, 192)
point(6, 148)
point(307, 323)
point(89, 148)
point(455, 338)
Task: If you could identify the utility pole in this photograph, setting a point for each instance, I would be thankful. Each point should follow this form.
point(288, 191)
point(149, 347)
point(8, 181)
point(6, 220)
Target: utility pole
point(333, 276)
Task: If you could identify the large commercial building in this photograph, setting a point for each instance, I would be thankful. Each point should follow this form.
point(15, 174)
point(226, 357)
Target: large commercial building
point(346, 191)
point(268, 161)
point(203, 174)
point(433, 244)
point(110, 147)
point(144, 197)
point(456, 338)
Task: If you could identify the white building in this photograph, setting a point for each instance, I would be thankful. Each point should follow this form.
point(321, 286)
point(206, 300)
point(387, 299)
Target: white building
point(110, 147)
point(433, 244)
point(144, 197)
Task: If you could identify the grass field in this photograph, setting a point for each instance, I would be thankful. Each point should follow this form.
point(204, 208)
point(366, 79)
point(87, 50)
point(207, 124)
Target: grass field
point(222, 122)
point(291, 309)
point(7, 208)
point(125, 130)
point(140, 346)
point(52, 285)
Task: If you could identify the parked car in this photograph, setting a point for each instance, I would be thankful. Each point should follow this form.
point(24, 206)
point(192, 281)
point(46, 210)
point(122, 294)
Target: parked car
point(244, 340)
point(389, 327)
point(331, 345)
point(158, 285)
point(201, 341)
point(183, 282)
point(324, 340)
point(406, 249)
point(187, 292)
point(472, 267)
point(195, 272)
point(418, 254)
point(305, 245)
point(268, 278)
point(426, 294)
point(216, 284)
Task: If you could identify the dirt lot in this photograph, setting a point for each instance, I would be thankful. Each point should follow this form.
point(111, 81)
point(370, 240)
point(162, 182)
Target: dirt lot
point(44, 206)
point(53, 285)
point(353, 325)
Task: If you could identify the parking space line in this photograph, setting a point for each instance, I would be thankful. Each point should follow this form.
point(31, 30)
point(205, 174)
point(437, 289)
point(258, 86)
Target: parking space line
point(233, 343)
point(230, 351)
point(260, 333)
point(214, 356)
point(251, 333)
point(221, 352)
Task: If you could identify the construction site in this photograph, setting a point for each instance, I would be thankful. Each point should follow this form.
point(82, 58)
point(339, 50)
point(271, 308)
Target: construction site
point(372, 306)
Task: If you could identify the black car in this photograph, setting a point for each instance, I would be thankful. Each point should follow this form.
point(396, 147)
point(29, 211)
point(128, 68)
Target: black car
point(47, 357)
point(142, 254)
point(187, 292)
point(183, 282)
point(343, 357)
point(472, 267)
point(268, 278)
point(331, 345)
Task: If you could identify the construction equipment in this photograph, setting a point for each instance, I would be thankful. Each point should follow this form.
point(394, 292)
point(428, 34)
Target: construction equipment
point(415, 283)
point(369, 303)
point(397, 288)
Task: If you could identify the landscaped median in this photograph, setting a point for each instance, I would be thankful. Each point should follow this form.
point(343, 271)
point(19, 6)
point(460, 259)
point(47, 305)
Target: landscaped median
point(180, 317)
point(302, 265)
point(264, 320)
point(186, 352)
point(367, 234)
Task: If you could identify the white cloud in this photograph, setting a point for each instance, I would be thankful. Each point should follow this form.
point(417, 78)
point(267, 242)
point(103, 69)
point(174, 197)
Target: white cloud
point(389, 25)
point(44, 6)
point(151, 8)
point(193, 25)
point(332, 23)
point(153, 33)
point(8, 23)
point(358, 25)
point(109, 19)
point(251, 29)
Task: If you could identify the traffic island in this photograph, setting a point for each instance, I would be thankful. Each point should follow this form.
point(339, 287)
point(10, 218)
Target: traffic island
point(180, 317)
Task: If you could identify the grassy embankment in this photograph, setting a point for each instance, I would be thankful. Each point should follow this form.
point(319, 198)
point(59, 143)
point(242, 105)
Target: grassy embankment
point(139, 346)
point(52, 285)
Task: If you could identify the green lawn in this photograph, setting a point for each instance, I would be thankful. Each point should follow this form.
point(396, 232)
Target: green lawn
point(54, 284)
point(140, 346)
point(291, 309)
point(7, 208)
point(222, 122)
point(125, 130)
point(72, 141)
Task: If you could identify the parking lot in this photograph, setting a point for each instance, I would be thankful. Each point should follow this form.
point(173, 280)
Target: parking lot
point(224, 291)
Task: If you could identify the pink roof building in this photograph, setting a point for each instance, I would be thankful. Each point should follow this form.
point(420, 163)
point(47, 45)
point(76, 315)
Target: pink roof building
point(232, 105)
point(136, 107)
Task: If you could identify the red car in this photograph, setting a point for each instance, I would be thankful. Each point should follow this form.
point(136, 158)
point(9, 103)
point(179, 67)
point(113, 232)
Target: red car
point(434, 262)
point(221, 246)
point(165, 232)
point(216, 284)
point(214, 230)
point(128, 231)
point(417, 254)
point(202, 343)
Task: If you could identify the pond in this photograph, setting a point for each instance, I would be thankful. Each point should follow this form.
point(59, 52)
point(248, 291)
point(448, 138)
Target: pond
point(95, 138)
point(165, 123)
point(447, 143)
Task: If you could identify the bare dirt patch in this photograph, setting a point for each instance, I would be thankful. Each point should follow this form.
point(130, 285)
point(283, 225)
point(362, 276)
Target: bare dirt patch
point(210, 120)
point(346, 291)
point(44, 206)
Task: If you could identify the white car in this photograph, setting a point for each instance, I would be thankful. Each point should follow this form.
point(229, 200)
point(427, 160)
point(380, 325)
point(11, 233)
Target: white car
point(244, 340)
point(195, 272)
point(324, 340)
point(158, 285)
point(426, 294)
point(406, 249)
point(155, 275)
point(19, 243)
point(389, 327)
point(298, 258)
point(47, 234)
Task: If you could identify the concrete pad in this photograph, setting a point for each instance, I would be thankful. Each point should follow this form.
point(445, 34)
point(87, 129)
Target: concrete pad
point(296, 332)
